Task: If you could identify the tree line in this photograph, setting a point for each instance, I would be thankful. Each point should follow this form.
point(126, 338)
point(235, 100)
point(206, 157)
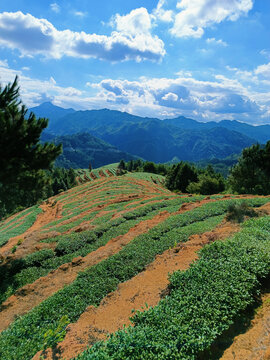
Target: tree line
point(27, 174)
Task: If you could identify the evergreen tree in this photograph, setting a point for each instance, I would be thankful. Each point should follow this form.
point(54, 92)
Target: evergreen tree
point(122, 165)
point(23, 161)
point(251, 175)
point(180, 176)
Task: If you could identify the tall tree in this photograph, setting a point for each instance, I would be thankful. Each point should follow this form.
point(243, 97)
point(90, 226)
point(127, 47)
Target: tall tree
point(23, 159)
point(180, 176)
point(252, 172)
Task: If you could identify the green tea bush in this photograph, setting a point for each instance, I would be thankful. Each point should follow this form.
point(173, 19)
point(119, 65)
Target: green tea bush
point(202, 304)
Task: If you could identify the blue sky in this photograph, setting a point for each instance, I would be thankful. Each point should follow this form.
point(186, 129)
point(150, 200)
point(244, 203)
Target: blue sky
point(204, 59)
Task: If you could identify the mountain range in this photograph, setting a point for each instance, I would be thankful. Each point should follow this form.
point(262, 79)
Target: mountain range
point(151, 138)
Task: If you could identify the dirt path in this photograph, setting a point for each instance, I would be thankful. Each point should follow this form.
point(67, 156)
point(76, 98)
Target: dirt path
point(147, 287)
point(33, 294)
point(51, 210)
point(255, 343)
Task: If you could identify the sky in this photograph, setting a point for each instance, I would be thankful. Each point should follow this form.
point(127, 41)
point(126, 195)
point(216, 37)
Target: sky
point(208, 60)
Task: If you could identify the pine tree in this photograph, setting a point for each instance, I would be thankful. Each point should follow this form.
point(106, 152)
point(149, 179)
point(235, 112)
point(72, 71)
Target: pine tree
point(23, 159)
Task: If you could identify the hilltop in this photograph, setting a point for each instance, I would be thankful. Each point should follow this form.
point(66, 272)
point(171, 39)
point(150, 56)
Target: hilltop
point(90, 256)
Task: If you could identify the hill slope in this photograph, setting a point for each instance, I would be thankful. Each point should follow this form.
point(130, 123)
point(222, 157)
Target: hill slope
point(51, 112)
point(109, 244)
point(81, 149)
point(157, 140)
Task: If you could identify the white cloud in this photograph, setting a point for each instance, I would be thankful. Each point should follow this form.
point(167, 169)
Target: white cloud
point(265, 53)
point(33, 36)
point(216, 42)
point(190, 18)
point(170, 97)
point(204, 100)
point(263, 70)
point(80, 14)
point(161, 14)
point(221, 98)
point(55, 7)
point(138, 21)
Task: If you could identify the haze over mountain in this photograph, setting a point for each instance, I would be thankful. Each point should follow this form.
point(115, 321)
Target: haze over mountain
point(154, 139)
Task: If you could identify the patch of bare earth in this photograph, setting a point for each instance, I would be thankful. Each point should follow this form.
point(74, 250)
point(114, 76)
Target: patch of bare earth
point(148, 287)
point(51, 210)
point(33, 294)
point(255, 343)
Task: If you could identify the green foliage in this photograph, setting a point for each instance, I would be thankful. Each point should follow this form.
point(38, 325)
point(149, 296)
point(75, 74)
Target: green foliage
point(23, 159)
point(80, 149)
point(207, 184)
point(203, 302)
point(25, 336)
point(93, 284)
point(147, 166)
point(187, 178)
point(180, 176)
point(62, 179)
point(57, 334)
point(238, 212)
point(19, 224)
point(69, 246)
point(252, 172)
point(122, 165)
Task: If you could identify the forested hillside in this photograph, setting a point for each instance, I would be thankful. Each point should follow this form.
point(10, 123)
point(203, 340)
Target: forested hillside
point(80, 150)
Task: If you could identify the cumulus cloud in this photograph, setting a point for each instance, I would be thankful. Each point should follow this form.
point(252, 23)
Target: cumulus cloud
point(34, 91)
point(137, 21)
point(203, 100)
point(161, 14)
point(33, 36)
point(220, 98)
point(190, 18)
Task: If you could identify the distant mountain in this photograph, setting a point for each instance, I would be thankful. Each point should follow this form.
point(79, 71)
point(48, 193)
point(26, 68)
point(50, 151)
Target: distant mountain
point(156, 141)
point(259, 133)
point(51, 112)
point(162, 140)
point(81, 149)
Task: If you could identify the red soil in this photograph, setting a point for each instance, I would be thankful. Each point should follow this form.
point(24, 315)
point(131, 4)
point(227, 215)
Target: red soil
point(93, 176)
point(255, 343)
point(109, 172)
point(101, 173)
point(31, 295)
point(147, 287)
point(51, 210)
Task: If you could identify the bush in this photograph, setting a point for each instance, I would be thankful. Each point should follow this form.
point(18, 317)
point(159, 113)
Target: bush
point(237, 212)
point(207, 185)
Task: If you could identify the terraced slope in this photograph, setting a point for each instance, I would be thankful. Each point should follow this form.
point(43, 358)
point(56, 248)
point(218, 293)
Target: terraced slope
point(105, 245)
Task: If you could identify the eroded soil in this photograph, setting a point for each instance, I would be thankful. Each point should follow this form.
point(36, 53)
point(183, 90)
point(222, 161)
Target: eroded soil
point(254, 344)
point(148, 287)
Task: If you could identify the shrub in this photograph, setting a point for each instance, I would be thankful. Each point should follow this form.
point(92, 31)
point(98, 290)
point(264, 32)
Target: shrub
point(237, 212)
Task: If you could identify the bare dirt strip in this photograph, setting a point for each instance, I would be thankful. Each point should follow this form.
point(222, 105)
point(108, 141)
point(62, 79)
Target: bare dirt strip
point(33, 294)
point(51, 211)
point(148, 287)
point(255, 343)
